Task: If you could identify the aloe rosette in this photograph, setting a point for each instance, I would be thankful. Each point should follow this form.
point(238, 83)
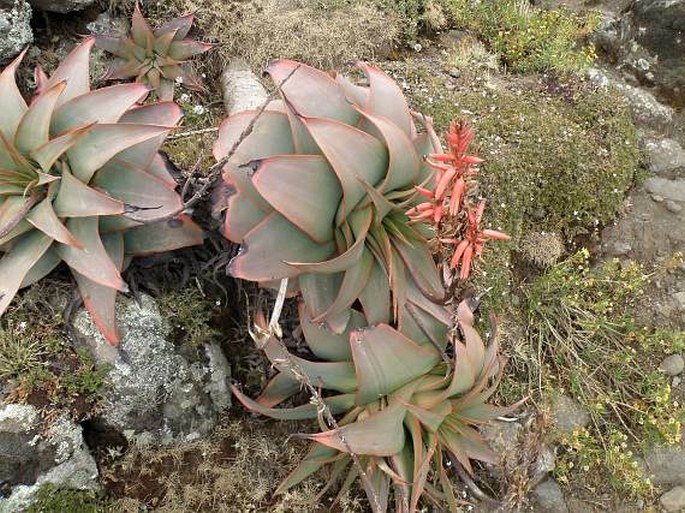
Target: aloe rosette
point(156, 57)
point(317, 193)
point(81, 182)
point(404, 405)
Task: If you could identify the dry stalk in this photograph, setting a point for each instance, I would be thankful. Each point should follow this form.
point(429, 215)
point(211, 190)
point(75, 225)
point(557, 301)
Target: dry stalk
point(191, 133)
point(261, 337)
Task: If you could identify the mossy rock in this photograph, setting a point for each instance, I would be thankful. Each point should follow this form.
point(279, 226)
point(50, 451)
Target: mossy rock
point(551, 163)
point(51, 499)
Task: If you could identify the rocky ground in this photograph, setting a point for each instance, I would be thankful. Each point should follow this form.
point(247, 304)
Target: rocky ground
point(150, 425)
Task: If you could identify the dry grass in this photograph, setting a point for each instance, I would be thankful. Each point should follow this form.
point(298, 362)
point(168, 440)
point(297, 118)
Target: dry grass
point(234, 471)
point(323, 33)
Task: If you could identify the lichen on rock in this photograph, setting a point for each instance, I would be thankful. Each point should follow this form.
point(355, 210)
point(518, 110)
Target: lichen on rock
point(156, 395)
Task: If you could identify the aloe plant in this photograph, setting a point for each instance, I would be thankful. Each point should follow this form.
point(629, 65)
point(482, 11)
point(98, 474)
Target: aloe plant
point(158, 58)
point(404, 406)
point(318, 191)
point(81, 182)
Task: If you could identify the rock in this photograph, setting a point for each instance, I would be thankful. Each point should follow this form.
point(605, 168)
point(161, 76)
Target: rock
point(664, 156)
point(16, 462)
point(673, 190)
point(546, 461)
point(620, 248)
point(156, 394)
point(502, 436)
point(679, 298)
point(673, 207)
point(32, 455)
point(106, 24)
point(15, 28)
point(607, 38)
point(567, 415)
point(242, 90)
point(646, 109)
point(549, 498)
point(660, 30)
point(665, 465)
point(60, 5)
point(672, 365)
point(673, 501)
point(505, 439)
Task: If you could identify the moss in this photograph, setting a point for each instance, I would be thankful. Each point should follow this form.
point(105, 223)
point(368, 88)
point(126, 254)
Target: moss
point(591, 347)
point(190, 315)
point(190, 147)
point(529, 39)
point(558, 156)
point(50, 499)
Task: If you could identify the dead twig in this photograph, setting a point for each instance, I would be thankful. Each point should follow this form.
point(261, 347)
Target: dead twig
point(215, 171)
point(191, 133)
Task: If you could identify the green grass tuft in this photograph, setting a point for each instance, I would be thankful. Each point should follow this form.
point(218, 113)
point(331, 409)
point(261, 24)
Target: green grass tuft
point(529, 39)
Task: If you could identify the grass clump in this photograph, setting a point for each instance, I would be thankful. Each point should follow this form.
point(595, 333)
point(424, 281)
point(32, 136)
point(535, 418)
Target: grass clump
point(417, 15)
point(589, 346)
point(38, 362)
point(530, 39)
point(542, 249)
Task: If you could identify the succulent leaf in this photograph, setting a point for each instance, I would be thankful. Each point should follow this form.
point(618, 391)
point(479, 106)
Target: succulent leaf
point(74, 70)
point(12, 104)
point(302, 188)
point(15, 265)
point(403, 391)
point(157, 58)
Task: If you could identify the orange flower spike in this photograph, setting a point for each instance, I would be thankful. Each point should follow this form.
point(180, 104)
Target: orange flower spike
point(443, 182)
point(438, 213)
point(472, 160)
point(466, 261)
point(426, 193)
point(458, 252)
point(457, 193)
point(421, 211)
point(494, 234)
point(441, 157)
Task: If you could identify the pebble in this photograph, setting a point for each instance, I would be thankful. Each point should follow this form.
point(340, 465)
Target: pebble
point(672, 365)
point(657, 198)
point(672, 206)
point(680, 300)
point(549, 498)
point(673, 501)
